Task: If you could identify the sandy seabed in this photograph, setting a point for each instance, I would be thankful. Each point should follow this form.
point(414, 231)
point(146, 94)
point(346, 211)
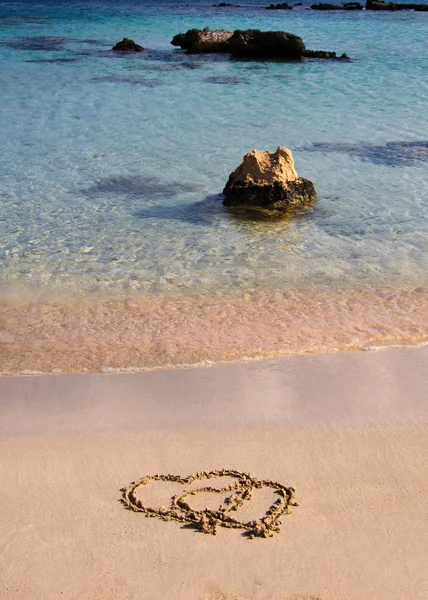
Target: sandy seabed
point(348, 431)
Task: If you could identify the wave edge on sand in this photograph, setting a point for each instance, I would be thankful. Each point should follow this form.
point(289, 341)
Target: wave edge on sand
point(140, 334)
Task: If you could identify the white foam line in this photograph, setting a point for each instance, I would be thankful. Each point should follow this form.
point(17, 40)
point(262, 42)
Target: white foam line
point(381, 347)
point(122, 369)
point(242, 359)
point(30, 372)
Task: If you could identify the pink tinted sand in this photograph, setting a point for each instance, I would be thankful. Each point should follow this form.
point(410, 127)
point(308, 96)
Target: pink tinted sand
point(145, 333)
point(348, 431)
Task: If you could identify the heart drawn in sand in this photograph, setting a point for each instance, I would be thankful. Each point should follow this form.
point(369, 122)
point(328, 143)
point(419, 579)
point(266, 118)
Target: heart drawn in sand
point(234, 496)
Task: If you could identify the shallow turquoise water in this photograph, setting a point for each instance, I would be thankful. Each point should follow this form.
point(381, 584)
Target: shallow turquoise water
point(112, 166)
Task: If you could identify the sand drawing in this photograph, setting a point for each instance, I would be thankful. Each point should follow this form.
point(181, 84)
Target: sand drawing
point(208, 520)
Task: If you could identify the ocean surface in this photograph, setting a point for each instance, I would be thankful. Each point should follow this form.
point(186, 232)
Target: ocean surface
point(115, 249)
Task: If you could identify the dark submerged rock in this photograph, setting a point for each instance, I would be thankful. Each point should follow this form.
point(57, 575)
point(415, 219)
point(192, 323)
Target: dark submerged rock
point(391, 154)
point(127, 45)
point(227, 80)
point(38, 42)
point(268, 181)
point(129, 79)
point(52, 60)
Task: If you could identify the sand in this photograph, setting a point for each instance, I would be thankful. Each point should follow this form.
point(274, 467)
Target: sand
point(158, 331)
point(347, 431)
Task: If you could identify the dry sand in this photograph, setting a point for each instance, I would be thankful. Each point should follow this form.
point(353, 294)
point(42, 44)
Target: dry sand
point(348, 431)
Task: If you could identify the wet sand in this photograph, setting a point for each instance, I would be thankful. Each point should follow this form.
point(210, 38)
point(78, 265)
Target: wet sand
point(347, 431)
point(142, 333)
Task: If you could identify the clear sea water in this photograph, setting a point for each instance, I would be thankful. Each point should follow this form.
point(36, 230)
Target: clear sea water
point(112, 166)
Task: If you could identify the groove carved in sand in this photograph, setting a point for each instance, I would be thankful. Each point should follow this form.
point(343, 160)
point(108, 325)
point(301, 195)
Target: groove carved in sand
point(207, 520)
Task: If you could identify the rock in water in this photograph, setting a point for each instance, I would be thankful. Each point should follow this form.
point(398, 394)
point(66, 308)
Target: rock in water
point(250, 43)
point(282, 6)
point(206, 40)
point(268, 180)
point(253, 43)
point(324, 54)
point(127, 45)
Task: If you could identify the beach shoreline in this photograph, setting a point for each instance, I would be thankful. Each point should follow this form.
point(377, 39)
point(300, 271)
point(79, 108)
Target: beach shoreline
point(348, 431)
point(122, 274)
point(157, 332)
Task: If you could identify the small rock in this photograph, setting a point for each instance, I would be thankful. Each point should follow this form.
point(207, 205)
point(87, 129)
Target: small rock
point(324, 54)
point(282, 6)
point(323, 6)
point(127, 45)
point(268, 180)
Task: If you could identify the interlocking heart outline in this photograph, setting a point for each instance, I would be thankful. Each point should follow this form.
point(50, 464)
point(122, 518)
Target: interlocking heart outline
point(208, 520)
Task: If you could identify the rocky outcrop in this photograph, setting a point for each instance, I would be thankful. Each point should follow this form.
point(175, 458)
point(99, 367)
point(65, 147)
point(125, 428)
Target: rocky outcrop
point(254, 43)
point(380, 6)
point(324, 6)
point(127, 45)
point(250, 43)
point(373, 5)
point(268, 181)
point(346, 6)
point(199, 41)
point(324, 54)
point(282, 6)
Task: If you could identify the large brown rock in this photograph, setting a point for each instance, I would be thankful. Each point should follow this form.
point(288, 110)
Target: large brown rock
point(268, 180)
point(205, 40)
point(254, 43)
point(250, 43)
